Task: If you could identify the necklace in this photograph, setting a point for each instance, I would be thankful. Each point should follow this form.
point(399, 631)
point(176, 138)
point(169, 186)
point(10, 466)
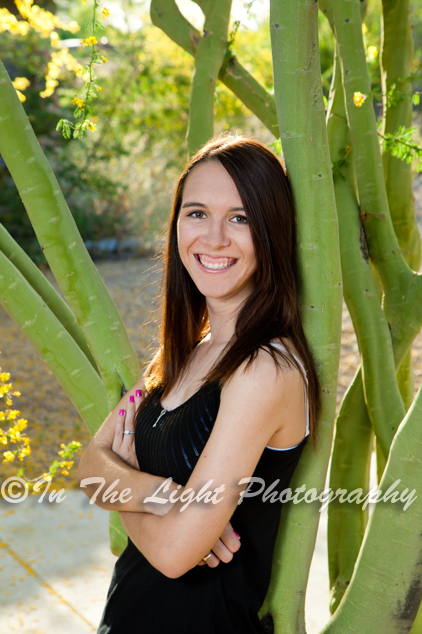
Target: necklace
point(163, 409)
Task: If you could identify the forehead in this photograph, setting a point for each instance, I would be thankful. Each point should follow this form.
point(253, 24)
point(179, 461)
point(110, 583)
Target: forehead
point(210, 183)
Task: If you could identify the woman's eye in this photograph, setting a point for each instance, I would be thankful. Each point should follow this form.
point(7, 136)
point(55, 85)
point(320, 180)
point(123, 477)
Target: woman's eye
point(240, 220)
point(192, 213)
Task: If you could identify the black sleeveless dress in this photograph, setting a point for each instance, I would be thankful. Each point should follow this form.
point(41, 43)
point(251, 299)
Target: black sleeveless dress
point(221, 600)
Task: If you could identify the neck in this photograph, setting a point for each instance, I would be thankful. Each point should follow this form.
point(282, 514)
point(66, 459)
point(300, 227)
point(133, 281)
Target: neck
point(222, 315)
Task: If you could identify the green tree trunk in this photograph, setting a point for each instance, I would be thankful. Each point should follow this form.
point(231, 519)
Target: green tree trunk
point(396, 63)
point(384, 593)
point(165, 14)
point(72, 267)
point(62, 245)
point(209, 57)
point(300, 108)
point(56, 346)
point(45, 290)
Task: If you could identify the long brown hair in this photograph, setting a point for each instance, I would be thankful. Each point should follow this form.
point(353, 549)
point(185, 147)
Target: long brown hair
point(271, 311)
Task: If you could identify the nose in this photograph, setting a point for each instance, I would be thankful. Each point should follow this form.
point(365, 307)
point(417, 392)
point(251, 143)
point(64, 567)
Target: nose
point(216, 234)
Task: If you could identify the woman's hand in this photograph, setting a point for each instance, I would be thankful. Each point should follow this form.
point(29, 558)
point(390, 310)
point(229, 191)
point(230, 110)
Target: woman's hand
point(124, 443)
point(223, 549)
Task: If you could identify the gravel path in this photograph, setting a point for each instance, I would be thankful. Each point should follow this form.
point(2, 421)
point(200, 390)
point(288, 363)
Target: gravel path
point(52, 420)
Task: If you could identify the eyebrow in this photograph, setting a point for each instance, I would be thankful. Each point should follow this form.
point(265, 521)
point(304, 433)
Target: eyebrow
point(205, 206)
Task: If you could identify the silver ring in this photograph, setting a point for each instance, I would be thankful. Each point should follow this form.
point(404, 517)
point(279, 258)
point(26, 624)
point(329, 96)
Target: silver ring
point(204, 559)
point(127, 431)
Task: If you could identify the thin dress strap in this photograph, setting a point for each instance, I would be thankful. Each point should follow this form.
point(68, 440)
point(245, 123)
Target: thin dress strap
point(279, 345)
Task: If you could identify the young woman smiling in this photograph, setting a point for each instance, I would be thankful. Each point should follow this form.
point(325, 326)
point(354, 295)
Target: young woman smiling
point(232, 392)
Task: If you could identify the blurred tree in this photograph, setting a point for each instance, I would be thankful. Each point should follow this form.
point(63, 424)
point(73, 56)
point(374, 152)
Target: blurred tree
point(378, 567)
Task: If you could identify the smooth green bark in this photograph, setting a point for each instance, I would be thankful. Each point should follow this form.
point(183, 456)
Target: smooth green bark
point(353, 440)
point(56, 346)
point(349, 470)
point(396, 64)
point(45, 290)
point(165, 15)
point(209, 57)
point(382, 395)
point(297, 81)
point(398, 280)
point(62, 244)
point(385, 590)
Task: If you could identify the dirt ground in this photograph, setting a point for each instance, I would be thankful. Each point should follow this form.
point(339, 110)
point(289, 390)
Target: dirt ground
point(52, 419)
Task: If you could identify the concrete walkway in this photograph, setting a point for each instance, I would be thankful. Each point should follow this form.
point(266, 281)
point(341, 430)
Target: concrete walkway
point(56, 566)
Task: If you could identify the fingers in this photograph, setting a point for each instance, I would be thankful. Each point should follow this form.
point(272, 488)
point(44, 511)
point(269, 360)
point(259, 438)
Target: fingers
point(221, 551)
point(118, 430)
point(212, 561)
point(134, 401)
point(230, 538)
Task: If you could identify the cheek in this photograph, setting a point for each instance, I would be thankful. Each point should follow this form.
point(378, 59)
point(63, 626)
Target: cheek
point(249, 250)
point(185, 238)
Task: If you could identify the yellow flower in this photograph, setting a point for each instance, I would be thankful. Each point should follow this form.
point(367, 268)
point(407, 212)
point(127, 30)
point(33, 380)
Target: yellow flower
point(24, 451)
point(21, 424)
point(78, 102)
point(99, 88)
point(5, 376)
point(364, 29)
point(89, 41)
point(104, 59)
point(64, 472)
point(66, 464)
point(15, 436)
point(106, 12)
point(8, 456)
point(11, 415)
point(358, 99)
point(371, 53)
point(91, 126)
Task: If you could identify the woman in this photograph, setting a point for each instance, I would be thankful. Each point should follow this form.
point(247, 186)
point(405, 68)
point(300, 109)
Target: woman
point(232, 393)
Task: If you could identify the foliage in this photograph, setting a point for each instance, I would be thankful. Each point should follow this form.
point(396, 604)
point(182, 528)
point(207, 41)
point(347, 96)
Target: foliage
point(16, 437)
point(83, 103)
point(402, 146)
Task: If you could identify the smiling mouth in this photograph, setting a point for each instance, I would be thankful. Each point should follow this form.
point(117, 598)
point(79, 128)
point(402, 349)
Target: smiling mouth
point(215, 266)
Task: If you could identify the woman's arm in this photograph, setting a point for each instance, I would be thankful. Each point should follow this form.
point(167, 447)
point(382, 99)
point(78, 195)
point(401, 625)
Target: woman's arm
point(117, 484)
point(254, 405)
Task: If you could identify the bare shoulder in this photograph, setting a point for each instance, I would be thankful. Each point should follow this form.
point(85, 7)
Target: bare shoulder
point(262, 380)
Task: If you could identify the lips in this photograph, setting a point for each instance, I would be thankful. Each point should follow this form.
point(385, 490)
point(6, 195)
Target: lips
point(214, 264)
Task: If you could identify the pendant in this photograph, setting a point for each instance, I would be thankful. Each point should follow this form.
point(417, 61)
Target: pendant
point(163, 411)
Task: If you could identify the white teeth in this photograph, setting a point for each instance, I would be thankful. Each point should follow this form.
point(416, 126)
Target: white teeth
point(209, 265)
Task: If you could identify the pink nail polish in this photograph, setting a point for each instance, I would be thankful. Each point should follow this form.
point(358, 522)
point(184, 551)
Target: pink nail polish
point(138, 393)
point(236, 534)
point(122, 412)
point(131, 399)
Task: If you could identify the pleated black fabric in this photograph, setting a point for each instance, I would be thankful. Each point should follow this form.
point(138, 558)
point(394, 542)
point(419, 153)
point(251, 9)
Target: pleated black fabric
point(221, 600)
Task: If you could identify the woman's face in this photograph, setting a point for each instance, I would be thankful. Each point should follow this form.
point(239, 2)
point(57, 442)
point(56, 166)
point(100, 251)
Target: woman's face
point(214, 237)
